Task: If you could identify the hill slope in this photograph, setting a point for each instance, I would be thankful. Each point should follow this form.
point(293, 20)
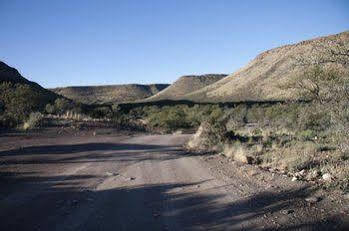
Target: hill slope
point(185, 85)
point(11, 79)
point(262, 77)
point(110, 93)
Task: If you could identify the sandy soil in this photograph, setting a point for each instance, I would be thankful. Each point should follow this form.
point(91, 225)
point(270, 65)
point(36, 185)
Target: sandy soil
point(147, 182)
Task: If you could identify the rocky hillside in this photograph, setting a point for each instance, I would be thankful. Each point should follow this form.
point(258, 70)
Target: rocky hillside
point(186, 84)
point(10, 79)
point(110, 93)
point(263, 77)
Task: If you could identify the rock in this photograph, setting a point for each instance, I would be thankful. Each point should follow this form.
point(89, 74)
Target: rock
point(316, 173)
point(312, 199)
point(327, 177)
point(346, 196)
point(109, 174)
point(287, 211)
point(302, 173)
point(242, 158)
point(294, 178)
point(253, 173)
point(178, 132)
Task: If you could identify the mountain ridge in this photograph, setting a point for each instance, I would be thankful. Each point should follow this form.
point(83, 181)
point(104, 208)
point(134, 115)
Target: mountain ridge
point(109, 93)
point(261, 78)
point(184, 85)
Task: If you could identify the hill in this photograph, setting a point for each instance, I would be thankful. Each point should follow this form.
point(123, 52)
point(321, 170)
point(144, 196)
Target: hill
point(10, 78)
point(19, 96)
point(109, 93)
point(185, 85)
point(262, 78)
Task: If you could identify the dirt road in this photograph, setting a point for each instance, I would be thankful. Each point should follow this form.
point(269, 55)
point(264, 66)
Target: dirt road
point(146, 182)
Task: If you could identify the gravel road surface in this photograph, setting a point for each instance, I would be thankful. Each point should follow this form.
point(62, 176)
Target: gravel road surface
point(147, 182)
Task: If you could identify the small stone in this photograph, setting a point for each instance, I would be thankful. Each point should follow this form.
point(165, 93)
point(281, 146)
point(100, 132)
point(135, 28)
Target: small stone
point(346, 196)
point(312, 199)
point(109, 174)
point(294, 178)
point(253, 173)
point(287, 211)
point(302, 173)
point(327, 177)
point(316, 173)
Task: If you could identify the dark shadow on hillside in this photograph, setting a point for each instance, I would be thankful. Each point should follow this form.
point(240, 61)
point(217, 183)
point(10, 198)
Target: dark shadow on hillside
point(52, 203)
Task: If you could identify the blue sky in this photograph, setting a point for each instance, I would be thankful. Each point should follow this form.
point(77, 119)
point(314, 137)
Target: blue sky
point(82, 42)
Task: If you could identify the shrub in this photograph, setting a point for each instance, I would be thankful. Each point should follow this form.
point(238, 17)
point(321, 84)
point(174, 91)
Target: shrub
point(19, 100)
point(7, 121)
point(210, 135)
point(62, 105)
point(168, 118)
point(50, 109)
point(306, 135)
point(33, 121)
point(102, 112)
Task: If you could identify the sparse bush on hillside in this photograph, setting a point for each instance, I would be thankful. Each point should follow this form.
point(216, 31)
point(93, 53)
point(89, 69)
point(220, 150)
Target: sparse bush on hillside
point(102, 112)
point(33, 121)
point(62, 105)
point(168, 118)
point(293, 136)
point(171, 118)
point(50, 109)
point(19, 100)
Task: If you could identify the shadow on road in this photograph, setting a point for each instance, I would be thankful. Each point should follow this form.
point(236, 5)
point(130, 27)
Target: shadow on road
point(88, 152)
point(31, 200)
point(53, 203)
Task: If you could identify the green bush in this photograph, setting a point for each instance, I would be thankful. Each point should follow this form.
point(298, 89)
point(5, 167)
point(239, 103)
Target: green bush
point(168, 118)
point(175, 117)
